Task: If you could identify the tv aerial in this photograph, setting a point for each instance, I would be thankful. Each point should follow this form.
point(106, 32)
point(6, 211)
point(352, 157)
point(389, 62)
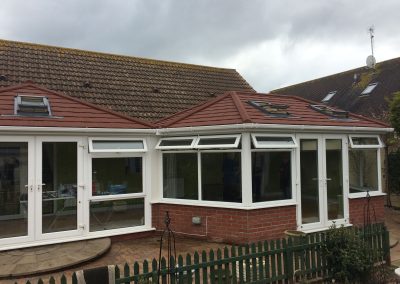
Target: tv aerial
point(371, 61)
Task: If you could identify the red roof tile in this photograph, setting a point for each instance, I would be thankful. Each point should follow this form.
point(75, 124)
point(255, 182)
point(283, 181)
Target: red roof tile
point(234, 108)
point(66, 111)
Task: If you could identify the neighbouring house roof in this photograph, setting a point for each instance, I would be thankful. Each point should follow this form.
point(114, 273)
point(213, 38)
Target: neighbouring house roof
point(242, 107)
point(65, 111)
point(138, 87)
point(349, 87)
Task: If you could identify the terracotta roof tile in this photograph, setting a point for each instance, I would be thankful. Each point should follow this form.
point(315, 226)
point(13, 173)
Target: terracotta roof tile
point(138, 87)
point(234, 108)
point(66, 111)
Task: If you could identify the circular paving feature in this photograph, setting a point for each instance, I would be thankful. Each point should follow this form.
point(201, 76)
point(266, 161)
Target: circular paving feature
point(30, 261)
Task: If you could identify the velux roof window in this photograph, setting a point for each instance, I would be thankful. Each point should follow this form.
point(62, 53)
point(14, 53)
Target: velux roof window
point(328, 97)
point(278, 110)
point(340, 114)
point(32, 106)
point(369, 89)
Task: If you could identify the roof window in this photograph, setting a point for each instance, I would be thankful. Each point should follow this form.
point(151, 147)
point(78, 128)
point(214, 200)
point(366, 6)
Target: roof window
point(328, 97)
point(341, 114)
point(279, 110)
point(369, 89)
point(32, 106)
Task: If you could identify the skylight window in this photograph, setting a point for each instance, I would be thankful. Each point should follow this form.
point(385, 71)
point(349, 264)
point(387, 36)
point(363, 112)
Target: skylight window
point(32, 106)
point(369, 89)
point(329, 96)
point(341, 114)
point(279, 110)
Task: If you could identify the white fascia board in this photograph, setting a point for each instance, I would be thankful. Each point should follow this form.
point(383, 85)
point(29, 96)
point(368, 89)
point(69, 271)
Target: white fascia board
point(272, 127)
point(27, 129)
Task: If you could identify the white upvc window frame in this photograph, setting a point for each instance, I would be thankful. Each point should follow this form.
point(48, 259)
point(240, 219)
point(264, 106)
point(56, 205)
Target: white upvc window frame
point(277, 145)
point(93, 139)
point(191, 146)
point(372, 146)
point(282, 202)
point(218, 146)
point(199, 201)
point(377, 148)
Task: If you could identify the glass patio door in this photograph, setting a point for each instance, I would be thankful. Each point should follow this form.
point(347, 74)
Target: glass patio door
point(321, 181)
point(58, 192)
point(16, 190)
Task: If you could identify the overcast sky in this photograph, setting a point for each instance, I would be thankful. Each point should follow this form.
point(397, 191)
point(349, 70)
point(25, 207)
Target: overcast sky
point(271, 43)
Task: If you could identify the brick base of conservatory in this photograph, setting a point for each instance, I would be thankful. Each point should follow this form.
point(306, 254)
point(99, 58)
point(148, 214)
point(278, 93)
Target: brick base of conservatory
point(357, 207)
point(226, 225)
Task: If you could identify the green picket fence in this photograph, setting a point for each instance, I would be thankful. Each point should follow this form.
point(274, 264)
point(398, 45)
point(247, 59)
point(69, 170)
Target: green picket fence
point(276, 261)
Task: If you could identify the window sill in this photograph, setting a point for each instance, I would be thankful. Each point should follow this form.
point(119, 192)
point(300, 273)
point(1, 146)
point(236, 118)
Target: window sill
point(228, 205)
point(364, 194)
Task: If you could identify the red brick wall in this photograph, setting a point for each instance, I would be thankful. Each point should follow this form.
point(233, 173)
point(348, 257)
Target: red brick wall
point(357, 207)
point(227, 225)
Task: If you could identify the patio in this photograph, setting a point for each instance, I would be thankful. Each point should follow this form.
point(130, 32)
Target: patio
point(129, 251)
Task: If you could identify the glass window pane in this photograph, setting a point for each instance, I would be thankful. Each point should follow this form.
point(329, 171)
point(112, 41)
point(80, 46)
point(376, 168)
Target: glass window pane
point(13, 193)
point(363, 170)
point(221, 176)
point(365, 141)
point(217, 141)
point(271, 176)
point(59, 190)
point(116, 214)
point(176, 142)
point(334, 173)
point(117, 145)
point(116, 175)
point(180, 175)
point(309, 181)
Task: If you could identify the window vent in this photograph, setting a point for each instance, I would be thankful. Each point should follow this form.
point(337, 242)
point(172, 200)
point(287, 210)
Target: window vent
point(368, 90)
point(328, 97)
point(278, 110)
point(341, 114)
point(32, 106)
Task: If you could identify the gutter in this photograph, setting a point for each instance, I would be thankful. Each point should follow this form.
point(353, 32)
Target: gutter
point(273, 127)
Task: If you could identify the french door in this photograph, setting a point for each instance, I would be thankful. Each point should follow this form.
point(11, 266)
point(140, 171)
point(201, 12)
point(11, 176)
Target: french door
point(323, 186)
point(40, 196)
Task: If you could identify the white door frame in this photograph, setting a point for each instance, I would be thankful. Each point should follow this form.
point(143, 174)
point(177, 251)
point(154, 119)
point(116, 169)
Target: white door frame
point(322, 183)
point(38, 187)
point(31, 206)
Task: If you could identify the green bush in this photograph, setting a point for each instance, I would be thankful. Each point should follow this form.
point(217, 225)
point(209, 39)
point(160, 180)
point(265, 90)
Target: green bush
point(347, 255)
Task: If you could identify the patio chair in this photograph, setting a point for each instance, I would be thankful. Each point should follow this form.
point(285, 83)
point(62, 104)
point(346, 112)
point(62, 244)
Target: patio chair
point(98, 275)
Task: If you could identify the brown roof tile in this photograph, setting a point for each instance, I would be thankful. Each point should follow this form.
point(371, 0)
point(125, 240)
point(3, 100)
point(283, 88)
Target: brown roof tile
point(138, 87)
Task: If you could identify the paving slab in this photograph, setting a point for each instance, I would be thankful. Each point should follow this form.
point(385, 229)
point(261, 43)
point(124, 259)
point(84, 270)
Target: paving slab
point(31, 261)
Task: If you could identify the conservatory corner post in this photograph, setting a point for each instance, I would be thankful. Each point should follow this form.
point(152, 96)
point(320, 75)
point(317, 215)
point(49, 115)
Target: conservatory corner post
point(246, 170)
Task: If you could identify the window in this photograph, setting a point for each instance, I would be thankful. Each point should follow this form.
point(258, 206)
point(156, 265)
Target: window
point(176, 143)
point(213, 173)
point(365, 142)
point(221, 177)
point(271, 175)
point(364, 163)
point(369, 89)
point(268, 141)
point(107, 146)
point(363, 170)
point(340, 114)
point(180, 175)
point(216, 142)
point(113, 176)
point(278, 110)
point(328, 97)
point(32, 106)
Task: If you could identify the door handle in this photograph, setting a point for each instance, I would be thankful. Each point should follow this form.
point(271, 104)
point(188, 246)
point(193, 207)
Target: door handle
point(29, 187)
point(40, 186)
point(328, 179)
